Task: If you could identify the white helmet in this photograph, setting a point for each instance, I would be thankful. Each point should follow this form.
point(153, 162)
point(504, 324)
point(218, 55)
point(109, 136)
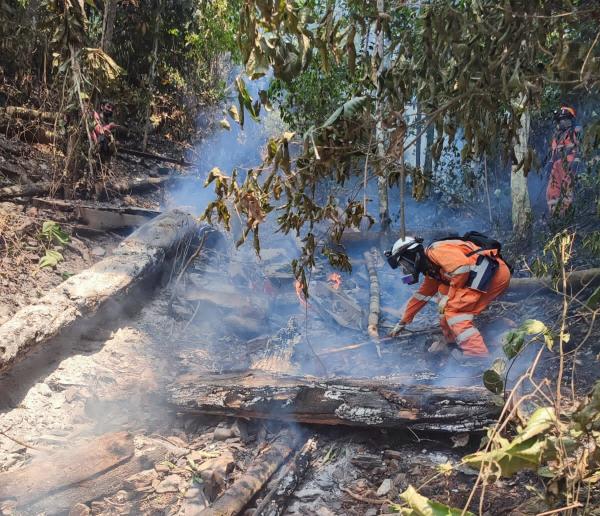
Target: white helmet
point(408, 252)
point(405, 244)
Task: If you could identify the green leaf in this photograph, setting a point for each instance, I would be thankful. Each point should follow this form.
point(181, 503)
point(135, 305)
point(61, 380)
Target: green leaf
point(594, 300)
point(523, 452)
point(347, 110)
point(53, 233)
point(515, 339)
point(493, 377)
point(423, 506)
point(51, 259)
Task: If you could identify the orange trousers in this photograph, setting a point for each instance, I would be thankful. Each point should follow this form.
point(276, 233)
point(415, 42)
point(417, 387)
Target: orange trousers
point(559, 193)
point(458, 326)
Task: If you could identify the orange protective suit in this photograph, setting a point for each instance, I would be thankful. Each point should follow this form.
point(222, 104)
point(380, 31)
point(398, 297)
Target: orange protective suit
point(460, 303)
point(565, 161)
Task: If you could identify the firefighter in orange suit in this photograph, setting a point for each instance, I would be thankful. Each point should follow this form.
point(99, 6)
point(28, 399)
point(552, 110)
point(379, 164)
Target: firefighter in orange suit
point(565, 161)
point(461, 276)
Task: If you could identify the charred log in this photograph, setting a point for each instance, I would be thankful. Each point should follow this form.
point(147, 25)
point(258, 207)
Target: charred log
point(241, 492)
point(384, 403)
point(138, 257)
point(276, 500)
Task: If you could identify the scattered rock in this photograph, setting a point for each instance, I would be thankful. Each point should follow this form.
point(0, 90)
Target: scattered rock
point(98, 252)
point(324, 511)
point(5, 313)
point(171, 484)
point(240, 429)
point(371, 512)
point(308, 494)
point(177, 441)
point(141, 479)
point(222, 433)
point(162, 468)
point(224, 464)
point(80, 509)
point(385, 487)
point(460, 440)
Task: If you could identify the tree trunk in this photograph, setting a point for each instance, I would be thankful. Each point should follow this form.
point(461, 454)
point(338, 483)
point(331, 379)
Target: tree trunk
point(108, 25)
point(418, 142)
point(521, 206)
point(428, 163)
point(382, 180)
point(152, 76)
point(340, 401)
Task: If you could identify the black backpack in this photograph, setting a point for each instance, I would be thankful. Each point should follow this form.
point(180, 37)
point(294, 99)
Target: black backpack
point(480, 240)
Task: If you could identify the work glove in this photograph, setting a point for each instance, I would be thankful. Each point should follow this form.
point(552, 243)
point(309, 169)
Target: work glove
point(398, 329)
point(442, 305)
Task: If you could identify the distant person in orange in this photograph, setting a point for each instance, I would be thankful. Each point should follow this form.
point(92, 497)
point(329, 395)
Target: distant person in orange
point(565, 161)
point(102, 133)
point(463, 274)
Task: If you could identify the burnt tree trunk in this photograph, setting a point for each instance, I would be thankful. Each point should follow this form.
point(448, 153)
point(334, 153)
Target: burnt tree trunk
point(352, 402)
point(241, 492)
point(277, 499)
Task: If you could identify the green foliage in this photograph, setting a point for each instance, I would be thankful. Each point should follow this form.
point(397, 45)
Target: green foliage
point(420, 505)
point(51, 259)
point(493, 378)
point(52, 233)
point(515, 339)
point(474, 66)
point(523, 452)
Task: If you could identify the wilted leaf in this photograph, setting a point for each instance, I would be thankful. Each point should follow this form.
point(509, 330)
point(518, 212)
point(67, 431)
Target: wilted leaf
point(51, 259)
point(523, 452)
point(225, 124)
point(215, 173)
point(234, 113)
point(423, 506)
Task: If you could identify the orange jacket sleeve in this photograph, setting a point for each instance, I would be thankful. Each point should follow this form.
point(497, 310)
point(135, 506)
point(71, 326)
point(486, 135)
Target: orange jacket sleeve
point(428, 288)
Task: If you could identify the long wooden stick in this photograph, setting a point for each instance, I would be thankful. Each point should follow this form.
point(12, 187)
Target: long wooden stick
point(235, 499)
point(374, 306)
point(152, 155)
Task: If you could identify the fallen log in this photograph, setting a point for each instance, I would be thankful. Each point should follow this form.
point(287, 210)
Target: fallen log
point(28, 190)
point(137, 184)
point(66, 467)
point(157, 157)
point(32, 132)
point(575, 280)
point(383, 403)
point(138, 257)
point(374, 309)
point(55, 483)
point(277, 499)
point(100, 217)
point(28, 113)
point(241, 492)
